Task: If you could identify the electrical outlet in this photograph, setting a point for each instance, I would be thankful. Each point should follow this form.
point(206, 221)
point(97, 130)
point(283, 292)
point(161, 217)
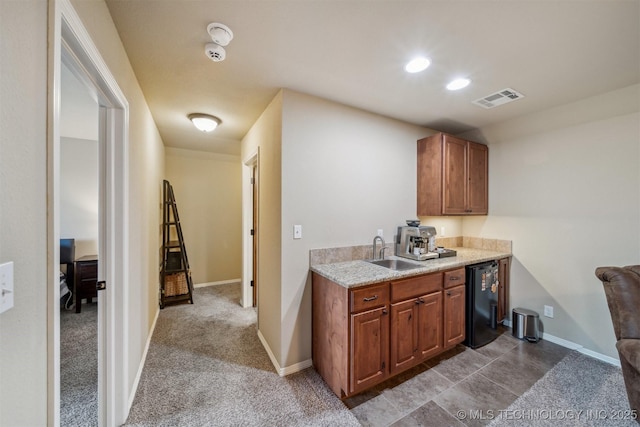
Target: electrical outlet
point(441, 231)
point(380, 232)
point(297, 232)
point(548, 311)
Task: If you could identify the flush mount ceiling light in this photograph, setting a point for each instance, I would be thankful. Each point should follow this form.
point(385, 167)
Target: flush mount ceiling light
point(417, 64)
point(220, 33)
point(204, 122)
point(458, 84)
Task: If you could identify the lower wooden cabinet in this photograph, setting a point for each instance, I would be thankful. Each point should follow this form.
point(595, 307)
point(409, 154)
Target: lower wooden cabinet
point(416, 331)
point(369, 348)
point(365, 335)
point(454, 312)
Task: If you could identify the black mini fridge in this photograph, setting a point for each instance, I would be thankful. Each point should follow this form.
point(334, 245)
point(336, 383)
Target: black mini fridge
point(482, 304)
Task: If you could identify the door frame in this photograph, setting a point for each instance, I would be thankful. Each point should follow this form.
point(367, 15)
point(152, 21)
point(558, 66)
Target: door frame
point(250, 210)
point(70, 42)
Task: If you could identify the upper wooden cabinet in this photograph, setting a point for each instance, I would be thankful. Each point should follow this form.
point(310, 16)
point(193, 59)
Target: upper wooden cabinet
point(452, 176)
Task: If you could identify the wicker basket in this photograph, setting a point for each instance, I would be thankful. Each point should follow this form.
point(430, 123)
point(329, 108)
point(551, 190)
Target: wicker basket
point(175, 284)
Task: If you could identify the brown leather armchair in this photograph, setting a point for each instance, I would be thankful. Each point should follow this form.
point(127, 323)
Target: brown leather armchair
point(622, 288)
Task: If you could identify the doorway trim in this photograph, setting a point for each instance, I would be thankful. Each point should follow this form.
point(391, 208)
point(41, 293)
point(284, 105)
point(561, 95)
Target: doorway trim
point(249, 261)
point(70, 42)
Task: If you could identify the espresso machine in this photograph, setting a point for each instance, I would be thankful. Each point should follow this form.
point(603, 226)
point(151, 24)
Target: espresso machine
point(417, 242)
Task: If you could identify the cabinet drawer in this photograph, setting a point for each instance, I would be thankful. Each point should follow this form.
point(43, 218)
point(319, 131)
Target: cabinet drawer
point(87, 270)
point(369, 297)
point(416, 286)
point(454, 278)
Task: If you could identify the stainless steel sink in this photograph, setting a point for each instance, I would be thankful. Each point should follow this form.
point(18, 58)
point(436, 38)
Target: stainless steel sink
point(394, 264)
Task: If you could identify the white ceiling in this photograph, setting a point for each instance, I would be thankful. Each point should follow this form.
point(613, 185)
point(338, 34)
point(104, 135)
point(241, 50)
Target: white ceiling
point(354, 51)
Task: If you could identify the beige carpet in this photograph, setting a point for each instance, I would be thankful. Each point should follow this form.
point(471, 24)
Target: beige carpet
point(79, 367)
point(207, 367)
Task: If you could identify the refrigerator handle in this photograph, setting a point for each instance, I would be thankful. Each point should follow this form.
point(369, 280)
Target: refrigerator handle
point(494, 315)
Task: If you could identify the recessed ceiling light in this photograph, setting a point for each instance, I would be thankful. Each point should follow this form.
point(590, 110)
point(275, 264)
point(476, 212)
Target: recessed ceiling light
point(417, 64)
point(458, 84)
point(204, 122)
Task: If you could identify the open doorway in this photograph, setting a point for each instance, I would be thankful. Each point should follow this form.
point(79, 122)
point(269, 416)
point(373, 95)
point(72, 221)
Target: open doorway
point(71, 45)
point(250, 213)
point(79, 232)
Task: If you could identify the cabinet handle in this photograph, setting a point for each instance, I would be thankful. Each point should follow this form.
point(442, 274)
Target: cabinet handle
point(373, 298)
point(384, 311)
point(449, 293)
point(454, 278)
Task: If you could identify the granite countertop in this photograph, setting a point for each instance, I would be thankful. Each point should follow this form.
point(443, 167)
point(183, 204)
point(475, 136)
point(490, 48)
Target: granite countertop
point(352, 274)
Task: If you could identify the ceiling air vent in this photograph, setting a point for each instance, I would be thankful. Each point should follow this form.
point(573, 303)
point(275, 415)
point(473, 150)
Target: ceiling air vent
point(498, 98)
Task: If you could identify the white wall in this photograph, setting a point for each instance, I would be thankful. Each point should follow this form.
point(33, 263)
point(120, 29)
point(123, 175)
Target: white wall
point(79, 194)
point(564, 186)
point(207, 188)
point(345, 174)
point(23, 210)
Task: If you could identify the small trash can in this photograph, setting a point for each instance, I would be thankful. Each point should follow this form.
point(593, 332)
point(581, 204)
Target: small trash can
point(524, 324)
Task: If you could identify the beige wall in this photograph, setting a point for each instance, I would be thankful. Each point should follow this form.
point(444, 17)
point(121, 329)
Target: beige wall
point(23, 210)
point(266, 136)
point(23, 215)
point(146, 170)
point(564, 186)
point(207, 188)
point(341, 173)
point(79, 194)
point(345, 174)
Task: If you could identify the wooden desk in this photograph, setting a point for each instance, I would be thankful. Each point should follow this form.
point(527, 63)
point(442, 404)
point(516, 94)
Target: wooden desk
point(86, 277)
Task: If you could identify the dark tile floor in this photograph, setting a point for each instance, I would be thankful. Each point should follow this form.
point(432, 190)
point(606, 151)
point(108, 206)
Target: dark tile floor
point(433, 393)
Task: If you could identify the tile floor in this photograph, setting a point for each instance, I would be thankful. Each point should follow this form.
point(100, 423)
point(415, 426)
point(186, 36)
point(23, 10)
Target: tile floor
point(461, 379)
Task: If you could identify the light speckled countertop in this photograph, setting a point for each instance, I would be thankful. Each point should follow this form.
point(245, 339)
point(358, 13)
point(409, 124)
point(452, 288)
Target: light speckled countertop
point(352, 274)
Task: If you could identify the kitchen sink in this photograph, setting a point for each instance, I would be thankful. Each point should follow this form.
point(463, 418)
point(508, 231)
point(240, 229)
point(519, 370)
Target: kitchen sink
point(394, 264)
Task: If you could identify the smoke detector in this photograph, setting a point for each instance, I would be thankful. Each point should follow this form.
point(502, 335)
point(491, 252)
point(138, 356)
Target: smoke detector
point(220, 33)
point(215, 52)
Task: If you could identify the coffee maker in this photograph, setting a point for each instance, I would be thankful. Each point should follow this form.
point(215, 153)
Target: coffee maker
point(416, 242)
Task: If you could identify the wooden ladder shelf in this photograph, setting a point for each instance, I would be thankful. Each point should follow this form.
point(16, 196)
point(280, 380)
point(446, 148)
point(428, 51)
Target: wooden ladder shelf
point(176, 285)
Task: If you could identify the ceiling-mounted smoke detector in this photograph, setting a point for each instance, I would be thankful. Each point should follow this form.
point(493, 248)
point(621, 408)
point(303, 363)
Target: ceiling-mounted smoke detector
point(220, 33)
point(498, 98)
point(215, 52)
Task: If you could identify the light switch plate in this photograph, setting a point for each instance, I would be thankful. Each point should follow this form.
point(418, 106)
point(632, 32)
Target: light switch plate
point(297, 232)
point(6, 286)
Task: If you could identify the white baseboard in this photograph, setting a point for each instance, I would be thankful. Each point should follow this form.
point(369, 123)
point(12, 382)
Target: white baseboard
point(573, 346)
point(221, 282)
point(136, 381)
point(287, 370)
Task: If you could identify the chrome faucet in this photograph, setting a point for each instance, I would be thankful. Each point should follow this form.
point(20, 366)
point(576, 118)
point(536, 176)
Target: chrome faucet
point(375, 240)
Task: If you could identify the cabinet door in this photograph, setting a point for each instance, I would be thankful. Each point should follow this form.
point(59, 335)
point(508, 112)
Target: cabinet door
point(454, 305)
point(369, 348)
point(503, 288)
point(477, 174)
point(404, 335)
point(430, 325)
point(454, 183)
